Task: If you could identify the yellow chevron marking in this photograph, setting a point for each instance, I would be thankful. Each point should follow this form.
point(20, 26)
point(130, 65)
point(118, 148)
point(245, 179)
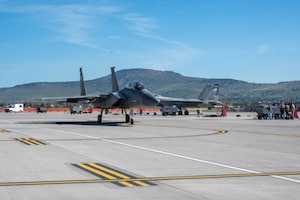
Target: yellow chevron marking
point(116, 173)
point(30, 141)
point(103, 174)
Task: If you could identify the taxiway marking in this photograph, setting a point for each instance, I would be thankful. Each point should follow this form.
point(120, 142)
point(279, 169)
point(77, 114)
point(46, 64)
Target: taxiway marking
point(175, 155)
point(30, 141)
point(199, 160)
point(111, 174)
point(165, 178)
point(266, 133)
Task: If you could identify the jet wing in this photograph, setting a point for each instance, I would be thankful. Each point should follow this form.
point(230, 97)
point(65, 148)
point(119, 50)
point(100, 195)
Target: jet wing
point(99, 101)
point(73, 99)
point(179, 102)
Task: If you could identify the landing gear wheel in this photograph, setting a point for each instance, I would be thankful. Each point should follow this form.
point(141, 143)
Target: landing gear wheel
point(131, 121)
point(127, 118)
point(99, 119)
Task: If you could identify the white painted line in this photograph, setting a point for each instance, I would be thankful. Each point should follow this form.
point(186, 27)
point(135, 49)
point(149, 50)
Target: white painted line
point(71, 133)
point(199, 160)
point(174, 155)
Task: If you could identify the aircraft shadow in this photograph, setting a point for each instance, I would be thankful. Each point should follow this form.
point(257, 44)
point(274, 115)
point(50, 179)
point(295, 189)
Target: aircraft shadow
point(84, 123)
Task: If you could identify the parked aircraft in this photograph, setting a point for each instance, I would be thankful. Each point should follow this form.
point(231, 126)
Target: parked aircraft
point(133, 95)
point(171, 105)
point(208, 96)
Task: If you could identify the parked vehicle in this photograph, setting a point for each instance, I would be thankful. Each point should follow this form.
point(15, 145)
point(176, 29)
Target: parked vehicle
point(76, 110)
point(17, 107)
point(41, 109)
point(262, 111)
point(169, 110)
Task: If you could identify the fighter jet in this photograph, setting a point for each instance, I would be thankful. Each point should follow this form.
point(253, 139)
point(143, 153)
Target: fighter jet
point(133, 95)
point(208, 96)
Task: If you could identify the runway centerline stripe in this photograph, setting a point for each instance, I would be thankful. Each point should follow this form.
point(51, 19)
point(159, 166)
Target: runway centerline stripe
point(166, 178)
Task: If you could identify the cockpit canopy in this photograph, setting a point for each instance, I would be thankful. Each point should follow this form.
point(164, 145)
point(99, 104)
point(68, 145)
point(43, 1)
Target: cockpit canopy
point(135, 85)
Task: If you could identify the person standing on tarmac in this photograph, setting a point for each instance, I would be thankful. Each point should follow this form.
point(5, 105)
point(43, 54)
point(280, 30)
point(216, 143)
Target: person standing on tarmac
point(287, 111)
point(296, 113)
point(293, 108)
point(282, 106)
point(270, 116)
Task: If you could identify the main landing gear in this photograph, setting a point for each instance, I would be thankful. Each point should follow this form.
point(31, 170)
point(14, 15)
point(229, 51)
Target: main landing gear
point(128, 117)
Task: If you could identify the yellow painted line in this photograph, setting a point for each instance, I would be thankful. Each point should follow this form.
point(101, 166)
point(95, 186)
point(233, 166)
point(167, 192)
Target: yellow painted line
point(116, 173)
point(222, 131)
point(3, 131)
point(218, 132)
point(103, 174)
point(237, 131)
point(147, 179)
point(33, 141)
point(266, 133)
point(182, 127)
point(224, 176)
point(25, 141)
point(30, 141)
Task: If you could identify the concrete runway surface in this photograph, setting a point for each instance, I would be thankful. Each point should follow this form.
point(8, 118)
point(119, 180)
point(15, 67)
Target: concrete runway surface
point(63, 156)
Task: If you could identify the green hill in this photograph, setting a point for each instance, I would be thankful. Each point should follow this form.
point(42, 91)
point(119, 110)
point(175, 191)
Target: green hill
point(166, 83)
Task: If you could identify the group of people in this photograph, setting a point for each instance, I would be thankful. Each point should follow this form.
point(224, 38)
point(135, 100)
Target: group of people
point(288, 111)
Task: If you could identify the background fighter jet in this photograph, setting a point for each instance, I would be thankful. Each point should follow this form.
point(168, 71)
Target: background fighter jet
point(208, 96)
point(133, 95)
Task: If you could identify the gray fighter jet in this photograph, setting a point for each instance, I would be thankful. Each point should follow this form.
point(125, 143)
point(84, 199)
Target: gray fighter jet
point(133, 95)
point(171, 105)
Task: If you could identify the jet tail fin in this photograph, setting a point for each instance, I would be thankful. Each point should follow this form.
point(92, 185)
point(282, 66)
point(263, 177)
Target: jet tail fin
point(210, 93)
point(82, 84)
point(205, 92)
point(214, 95)
point(115, 86)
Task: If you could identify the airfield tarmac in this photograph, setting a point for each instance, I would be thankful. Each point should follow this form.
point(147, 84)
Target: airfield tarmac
point(63, 156)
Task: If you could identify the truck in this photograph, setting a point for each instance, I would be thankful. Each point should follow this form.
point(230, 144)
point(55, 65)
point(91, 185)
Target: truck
point(76, 110)
point(262, 111)
point(169, 110)
point(41, 109)
point(17, 107)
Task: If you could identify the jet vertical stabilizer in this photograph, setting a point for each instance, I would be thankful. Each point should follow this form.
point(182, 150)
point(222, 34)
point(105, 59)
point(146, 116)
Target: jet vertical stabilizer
point(214, 95)
point(205, 92)
point(115, 86)
point(82, 85)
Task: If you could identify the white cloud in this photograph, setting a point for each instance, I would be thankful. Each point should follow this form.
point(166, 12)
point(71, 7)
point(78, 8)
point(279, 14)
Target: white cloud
point(76, 23)
point(73, 22)
point(138, 23)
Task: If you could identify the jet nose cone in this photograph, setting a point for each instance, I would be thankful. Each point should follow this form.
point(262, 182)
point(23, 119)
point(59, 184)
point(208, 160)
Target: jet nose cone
point(149, 100)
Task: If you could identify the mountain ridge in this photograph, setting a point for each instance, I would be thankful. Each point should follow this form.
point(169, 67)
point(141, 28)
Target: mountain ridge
point(167, 83)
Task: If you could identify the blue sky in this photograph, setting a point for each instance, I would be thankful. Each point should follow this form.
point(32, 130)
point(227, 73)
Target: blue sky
point(251, 40)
